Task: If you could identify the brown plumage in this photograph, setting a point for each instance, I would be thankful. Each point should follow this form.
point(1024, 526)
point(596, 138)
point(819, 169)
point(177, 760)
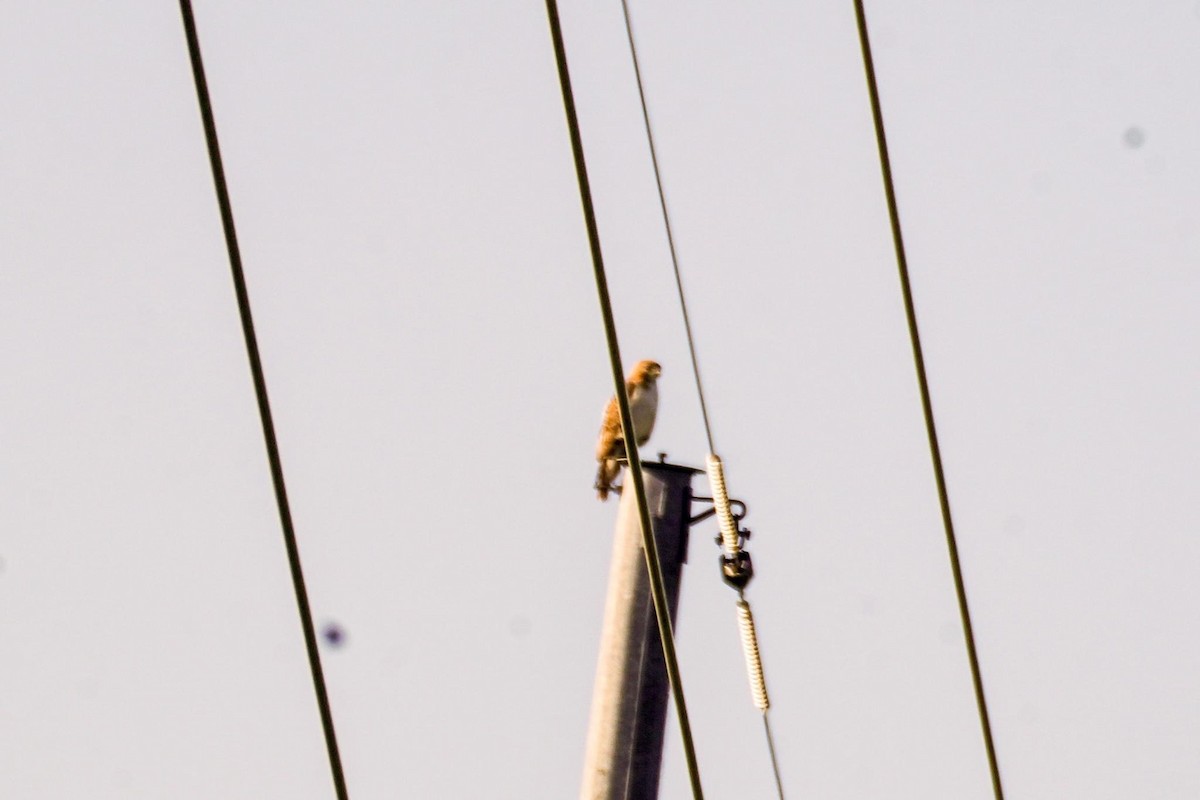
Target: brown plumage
point(642, 388)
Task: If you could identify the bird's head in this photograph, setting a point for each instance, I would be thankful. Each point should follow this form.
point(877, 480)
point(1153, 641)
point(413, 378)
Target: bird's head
point(646, 372)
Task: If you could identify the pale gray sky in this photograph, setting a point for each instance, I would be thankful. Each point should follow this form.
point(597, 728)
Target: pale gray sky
point(419, 272)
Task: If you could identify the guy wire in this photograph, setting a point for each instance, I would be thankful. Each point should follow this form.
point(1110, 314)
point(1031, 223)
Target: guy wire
point(774, 760)
point(662, 201)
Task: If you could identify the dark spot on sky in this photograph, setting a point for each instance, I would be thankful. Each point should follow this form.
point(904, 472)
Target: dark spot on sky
point(333, 634)
point(1134, 137)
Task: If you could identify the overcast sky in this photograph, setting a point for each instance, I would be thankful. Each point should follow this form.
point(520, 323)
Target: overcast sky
point(419, 272)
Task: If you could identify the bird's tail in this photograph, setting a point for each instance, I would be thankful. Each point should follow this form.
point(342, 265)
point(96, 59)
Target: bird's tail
point(604, 477)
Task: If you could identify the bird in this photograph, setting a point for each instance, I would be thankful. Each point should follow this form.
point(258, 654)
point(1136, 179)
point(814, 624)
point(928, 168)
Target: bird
point(642, 388)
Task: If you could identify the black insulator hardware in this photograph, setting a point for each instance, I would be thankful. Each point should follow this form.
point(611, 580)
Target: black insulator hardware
point(737, 570)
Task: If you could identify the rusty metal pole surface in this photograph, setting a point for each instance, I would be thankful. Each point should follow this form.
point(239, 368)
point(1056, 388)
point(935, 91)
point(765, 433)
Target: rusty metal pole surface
point(629, 703)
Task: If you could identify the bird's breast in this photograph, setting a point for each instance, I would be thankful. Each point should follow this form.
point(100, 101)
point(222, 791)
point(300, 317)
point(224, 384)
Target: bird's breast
point(643, 405)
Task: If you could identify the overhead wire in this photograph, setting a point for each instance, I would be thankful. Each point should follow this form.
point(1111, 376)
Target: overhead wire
point(264, 406)
point(926, 402)
point(649, 546)
point(715, 468)
point(662, 201)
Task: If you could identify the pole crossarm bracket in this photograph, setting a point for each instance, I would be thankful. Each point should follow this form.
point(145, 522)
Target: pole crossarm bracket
point(708, 512)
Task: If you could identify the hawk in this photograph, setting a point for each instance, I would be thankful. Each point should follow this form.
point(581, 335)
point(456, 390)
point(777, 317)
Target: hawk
point(642, 389)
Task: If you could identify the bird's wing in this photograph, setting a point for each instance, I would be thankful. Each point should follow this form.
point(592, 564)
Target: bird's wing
point(610, 431)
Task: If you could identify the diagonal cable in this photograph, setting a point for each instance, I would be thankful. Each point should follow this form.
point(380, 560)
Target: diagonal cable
point(774, 760)
point(649, 546)
point(926, 403)
point(754, 661)
point(662, 201)
point(260, 391)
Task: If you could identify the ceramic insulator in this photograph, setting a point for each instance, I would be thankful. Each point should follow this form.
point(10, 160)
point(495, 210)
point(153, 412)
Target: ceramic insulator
point(754, 668)
point(716, 479)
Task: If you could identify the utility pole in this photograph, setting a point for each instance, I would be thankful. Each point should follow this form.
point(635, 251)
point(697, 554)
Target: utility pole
point(629, 703)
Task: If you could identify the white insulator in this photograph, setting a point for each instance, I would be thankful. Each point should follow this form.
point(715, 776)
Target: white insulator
point(716, 479)
point(754, 668)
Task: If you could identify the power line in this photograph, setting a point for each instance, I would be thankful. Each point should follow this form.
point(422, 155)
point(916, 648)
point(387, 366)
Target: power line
point(658, 592)
point(716, 471)
point(260, 391)
point(662, 201)
point(926, 403)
